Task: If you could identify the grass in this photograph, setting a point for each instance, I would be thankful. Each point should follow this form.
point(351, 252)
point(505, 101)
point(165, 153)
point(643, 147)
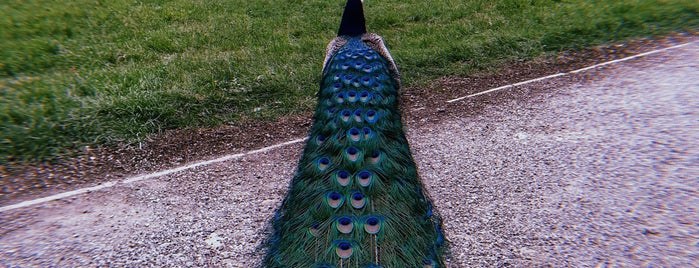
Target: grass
point(76, 73)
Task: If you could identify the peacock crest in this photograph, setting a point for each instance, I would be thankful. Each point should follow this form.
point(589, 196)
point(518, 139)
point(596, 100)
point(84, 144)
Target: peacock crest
point(356, 199)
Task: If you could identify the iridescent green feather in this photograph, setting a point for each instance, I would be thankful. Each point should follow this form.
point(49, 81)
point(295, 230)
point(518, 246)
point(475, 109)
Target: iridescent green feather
point(356, 199)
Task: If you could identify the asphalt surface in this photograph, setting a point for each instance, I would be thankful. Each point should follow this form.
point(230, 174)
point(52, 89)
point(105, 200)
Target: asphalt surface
point(597, 169)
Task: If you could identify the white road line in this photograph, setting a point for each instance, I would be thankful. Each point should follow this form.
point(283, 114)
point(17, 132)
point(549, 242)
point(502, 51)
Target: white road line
point(146, 176)
point(209, 162)
point(566, 73)
point(57, 196)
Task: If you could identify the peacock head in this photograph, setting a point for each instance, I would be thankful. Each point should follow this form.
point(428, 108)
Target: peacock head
point(353, 26)
point(353, 22)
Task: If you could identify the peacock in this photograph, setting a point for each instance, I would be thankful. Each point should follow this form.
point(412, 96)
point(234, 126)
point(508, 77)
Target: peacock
point(356, 199)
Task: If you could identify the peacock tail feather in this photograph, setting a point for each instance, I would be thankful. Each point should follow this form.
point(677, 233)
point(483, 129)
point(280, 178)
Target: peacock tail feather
point(356, 199)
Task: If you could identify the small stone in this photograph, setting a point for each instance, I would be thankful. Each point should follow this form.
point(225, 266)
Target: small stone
point(214, 241)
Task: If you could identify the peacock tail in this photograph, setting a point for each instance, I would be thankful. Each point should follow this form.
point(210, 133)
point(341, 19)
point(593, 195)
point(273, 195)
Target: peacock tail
point(356, 199)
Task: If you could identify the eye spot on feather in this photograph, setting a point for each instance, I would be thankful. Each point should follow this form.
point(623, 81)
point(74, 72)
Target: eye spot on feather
point(367, 68)
point(355, 82)
point(352, 96)
point(347, 79)
point(364, 178)
point(372, 224)
point(353, 134)
point(343, 178)
point(337, 77)
point(368, 134)
point(358, 200)
point(344, 225)
point(364, 96)
point(366, 80)
point(375, 156)
point(358, 115)
point(323, 163)
point(340, 98)
point(344, 66)
point(313, 230)
point(352, 154)
point(343, 249)
point(358, 64)
point(372, 116)
point(345, 115)
point(337, 86)
point(334, 199)
point(319, 140)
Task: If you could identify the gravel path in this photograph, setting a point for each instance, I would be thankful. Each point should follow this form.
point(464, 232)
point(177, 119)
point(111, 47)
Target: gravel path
point(598, 169)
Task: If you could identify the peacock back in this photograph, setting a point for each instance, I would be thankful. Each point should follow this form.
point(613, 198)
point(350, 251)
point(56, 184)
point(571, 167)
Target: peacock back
point(356, 199)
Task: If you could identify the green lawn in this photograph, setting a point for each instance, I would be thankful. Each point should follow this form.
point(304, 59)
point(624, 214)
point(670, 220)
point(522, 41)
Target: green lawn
point(74, 73)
